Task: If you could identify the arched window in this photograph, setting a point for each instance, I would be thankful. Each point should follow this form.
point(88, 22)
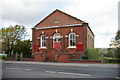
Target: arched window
point(57, 41)
point(43, 41)
point(72, 40)
point(56, 37)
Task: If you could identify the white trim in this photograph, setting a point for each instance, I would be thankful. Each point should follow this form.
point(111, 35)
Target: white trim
point(38, 37)
point(71, 30)
point(53, 43)
point(66, 36)
point(51, 37)
point(41, 41)
point(47, 37)
point(42, 47)
point(69, 41)
point(56, 30)
point(42, 32)
point(59, 26)
point(56, 37)
point(77, 35)
point(71, 47)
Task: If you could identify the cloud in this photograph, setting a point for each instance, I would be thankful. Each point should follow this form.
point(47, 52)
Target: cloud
point(119, 15)
point(27, 12)
point(101, 15)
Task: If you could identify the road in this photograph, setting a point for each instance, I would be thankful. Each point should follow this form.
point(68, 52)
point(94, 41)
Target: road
point(17, 70)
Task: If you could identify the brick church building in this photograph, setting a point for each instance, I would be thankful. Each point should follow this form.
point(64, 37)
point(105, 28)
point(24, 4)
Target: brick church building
point(61, 37)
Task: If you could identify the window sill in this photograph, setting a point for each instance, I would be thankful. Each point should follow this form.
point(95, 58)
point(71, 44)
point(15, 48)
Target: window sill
point(71, 47)
point(42, 48)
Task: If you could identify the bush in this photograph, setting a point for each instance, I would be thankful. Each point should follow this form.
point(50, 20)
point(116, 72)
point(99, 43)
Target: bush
point(92, 54)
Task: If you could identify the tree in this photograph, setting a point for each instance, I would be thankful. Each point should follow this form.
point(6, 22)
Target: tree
point(10, 35)
point(115, 43)
point(23, 47)
point(111, 53)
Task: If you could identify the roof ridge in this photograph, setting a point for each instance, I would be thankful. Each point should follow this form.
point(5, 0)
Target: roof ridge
point(59, 11)
point(69, 15)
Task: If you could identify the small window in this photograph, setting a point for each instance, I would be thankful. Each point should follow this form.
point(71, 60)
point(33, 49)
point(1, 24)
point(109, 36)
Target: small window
point(43, 41)
point(72, 40)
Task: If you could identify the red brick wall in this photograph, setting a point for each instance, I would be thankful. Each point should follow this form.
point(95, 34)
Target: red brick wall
point(58, 15)
point(81, 31)
point(38, 58)
point(9, 59)
point(63, 58)
point(51, 55)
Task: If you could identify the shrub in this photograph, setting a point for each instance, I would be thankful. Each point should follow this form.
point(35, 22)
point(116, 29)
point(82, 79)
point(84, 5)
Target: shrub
point(92, 54)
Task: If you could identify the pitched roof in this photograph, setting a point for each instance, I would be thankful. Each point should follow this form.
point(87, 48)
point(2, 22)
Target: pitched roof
point(63, 25)
point(61, 12)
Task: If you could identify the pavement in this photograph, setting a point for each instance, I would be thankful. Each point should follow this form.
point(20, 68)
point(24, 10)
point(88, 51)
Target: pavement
point(67, 64)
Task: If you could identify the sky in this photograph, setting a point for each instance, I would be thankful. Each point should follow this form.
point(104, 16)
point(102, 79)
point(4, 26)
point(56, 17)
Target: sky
point(102, 15)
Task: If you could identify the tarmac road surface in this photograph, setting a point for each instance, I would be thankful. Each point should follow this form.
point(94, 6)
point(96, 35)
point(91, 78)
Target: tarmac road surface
point(25, 70)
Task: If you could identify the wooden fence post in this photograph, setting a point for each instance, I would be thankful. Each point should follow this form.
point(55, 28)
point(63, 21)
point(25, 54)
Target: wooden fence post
point(102, 58)
point(16, 56)
point(21, 56)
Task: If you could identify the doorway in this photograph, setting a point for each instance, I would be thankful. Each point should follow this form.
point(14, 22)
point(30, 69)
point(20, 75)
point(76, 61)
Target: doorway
point(57, 41)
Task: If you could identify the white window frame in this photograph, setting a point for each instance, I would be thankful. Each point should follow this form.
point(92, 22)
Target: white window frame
point(57, 37)
point(42, 41)
point(69, 46)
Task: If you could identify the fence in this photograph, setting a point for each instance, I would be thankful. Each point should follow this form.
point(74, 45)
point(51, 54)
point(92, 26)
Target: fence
point(111, 60)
